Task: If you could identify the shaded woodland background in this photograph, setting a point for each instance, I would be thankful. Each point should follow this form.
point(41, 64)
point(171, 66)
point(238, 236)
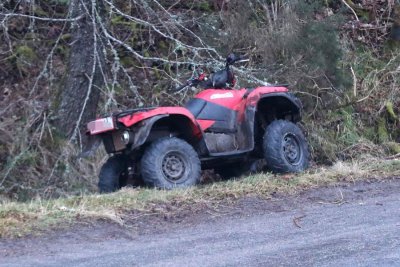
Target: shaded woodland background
point(63, 62)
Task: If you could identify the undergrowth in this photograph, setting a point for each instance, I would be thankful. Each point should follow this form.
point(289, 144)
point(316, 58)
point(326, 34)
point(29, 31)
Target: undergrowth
point(343, 70)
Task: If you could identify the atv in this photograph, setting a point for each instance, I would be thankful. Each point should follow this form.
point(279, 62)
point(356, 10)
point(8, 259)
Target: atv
point(220, 128)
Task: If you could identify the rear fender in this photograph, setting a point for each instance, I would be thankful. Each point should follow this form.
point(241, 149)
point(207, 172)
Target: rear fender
point(282, 104)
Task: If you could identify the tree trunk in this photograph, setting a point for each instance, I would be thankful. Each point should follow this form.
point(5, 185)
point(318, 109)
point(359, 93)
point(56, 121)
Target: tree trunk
point(394, 41)
point(80, 94)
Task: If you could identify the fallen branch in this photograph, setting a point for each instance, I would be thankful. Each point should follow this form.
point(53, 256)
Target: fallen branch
point(393, 156)
point(297, 219)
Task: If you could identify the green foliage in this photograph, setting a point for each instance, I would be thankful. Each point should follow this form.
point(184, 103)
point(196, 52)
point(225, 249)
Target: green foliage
point(23, 58)
point(25, 54)
point(293, 46)
point(390, 111)
point(40, 12)
point(383, 135)
point(305, 9)
point(347, 134)
point(119, 20)
point(393, 147)
point(204, 6)
point(317, 43)
point(367, 61)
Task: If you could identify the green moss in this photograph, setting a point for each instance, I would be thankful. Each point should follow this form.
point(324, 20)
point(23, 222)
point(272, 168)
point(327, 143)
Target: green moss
point(157, 73)
point(31, 36)
point(370, 133)
point(25, 57)
point(119, 20)
point(367, 62)
point(118, 89)
point(116, 20)
point(390, 111)
point(25, 52)
point(348, 134)
point(40, 12)
point(394, 148)
point(66, 37)
point(62, 50)
point(30, 158)
point(167, 68)
point(127, 61)
point(163, 46)
point(204, 6)
point(383, 135)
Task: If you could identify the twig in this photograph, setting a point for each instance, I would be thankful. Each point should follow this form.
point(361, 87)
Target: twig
point(354, 82)
point(393, 156)
point(352, 10)
point(6, 16)
point(339, 201)
point(297, 220)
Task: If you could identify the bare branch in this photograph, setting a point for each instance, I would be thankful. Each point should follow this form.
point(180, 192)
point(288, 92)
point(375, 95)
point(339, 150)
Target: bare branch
point(7, 16)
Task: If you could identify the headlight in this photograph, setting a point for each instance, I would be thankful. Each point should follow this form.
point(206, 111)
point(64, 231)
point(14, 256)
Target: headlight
point(126, 137)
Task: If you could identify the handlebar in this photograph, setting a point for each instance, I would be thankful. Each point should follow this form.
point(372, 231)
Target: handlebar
point(202, 78)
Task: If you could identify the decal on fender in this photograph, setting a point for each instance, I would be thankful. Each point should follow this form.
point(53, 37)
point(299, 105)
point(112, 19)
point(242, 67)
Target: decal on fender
point(224, 95)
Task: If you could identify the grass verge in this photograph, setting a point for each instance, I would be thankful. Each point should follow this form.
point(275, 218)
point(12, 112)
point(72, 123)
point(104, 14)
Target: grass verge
point(19, 219)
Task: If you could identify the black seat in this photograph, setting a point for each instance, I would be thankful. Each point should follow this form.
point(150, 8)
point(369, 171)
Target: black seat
point(225, 118)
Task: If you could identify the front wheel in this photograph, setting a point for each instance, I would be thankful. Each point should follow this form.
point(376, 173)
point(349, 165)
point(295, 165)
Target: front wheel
point(111, 176)
point(170, 162)
point(285, 147)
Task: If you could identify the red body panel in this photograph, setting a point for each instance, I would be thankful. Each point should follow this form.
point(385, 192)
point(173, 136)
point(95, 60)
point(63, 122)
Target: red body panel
point(254, 97)
point(227, 98)
point(134, 118)
point(232, 99)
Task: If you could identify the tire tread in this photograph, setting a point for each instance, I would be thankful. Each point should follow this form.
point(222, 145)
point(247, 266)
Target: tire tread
point(272, 147)
point(152, 175)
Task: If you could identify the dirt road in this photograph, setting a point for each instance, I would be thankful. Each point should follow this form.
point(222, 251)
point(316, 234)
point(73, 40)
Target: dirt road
point(347, 225)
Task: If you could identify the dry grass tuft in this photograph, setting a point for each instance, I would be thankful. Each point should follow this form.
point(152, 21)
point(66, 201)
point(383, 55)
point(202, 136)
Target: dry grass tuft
point(17, 219)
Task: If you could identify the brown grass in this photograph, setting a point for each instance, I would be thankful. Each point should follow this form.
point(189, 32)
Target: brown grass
point(18, 219)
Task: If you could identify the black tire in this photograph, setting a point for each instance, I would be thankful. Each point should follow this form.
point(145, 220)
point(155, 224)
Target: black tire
point(111, 176)
point(170, 163)
point(285, 147)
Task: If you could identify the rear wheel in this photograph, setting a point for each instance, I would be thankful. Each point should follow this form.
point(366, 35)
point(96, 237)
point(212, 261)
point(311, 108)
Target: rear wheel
point(112, 174)
point(170, 162)
point(285, 147)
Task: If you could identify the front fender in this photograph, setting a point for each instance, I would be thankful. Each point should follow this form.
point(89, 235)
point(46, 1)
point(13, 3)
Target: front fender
point(142, 130)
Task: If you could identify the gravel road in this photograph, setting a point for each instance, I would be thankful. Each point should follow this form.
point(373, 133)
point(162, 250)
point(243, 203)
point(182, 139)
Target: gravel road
point(347, 225)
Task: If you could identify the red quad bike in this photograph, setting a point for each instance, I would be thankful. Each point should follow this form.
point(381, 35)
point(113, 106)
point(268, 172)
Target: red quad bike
point(220, 128)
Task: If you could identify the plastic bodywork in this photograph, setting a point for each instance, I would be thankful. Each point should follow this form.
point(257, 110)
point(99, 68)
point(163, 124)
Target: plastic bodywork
point(216, 122)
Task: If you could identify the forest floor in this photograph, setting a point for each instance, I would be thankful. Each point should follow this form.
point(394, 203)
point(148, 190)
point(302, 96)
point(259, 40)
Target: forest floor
point(343, 224)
